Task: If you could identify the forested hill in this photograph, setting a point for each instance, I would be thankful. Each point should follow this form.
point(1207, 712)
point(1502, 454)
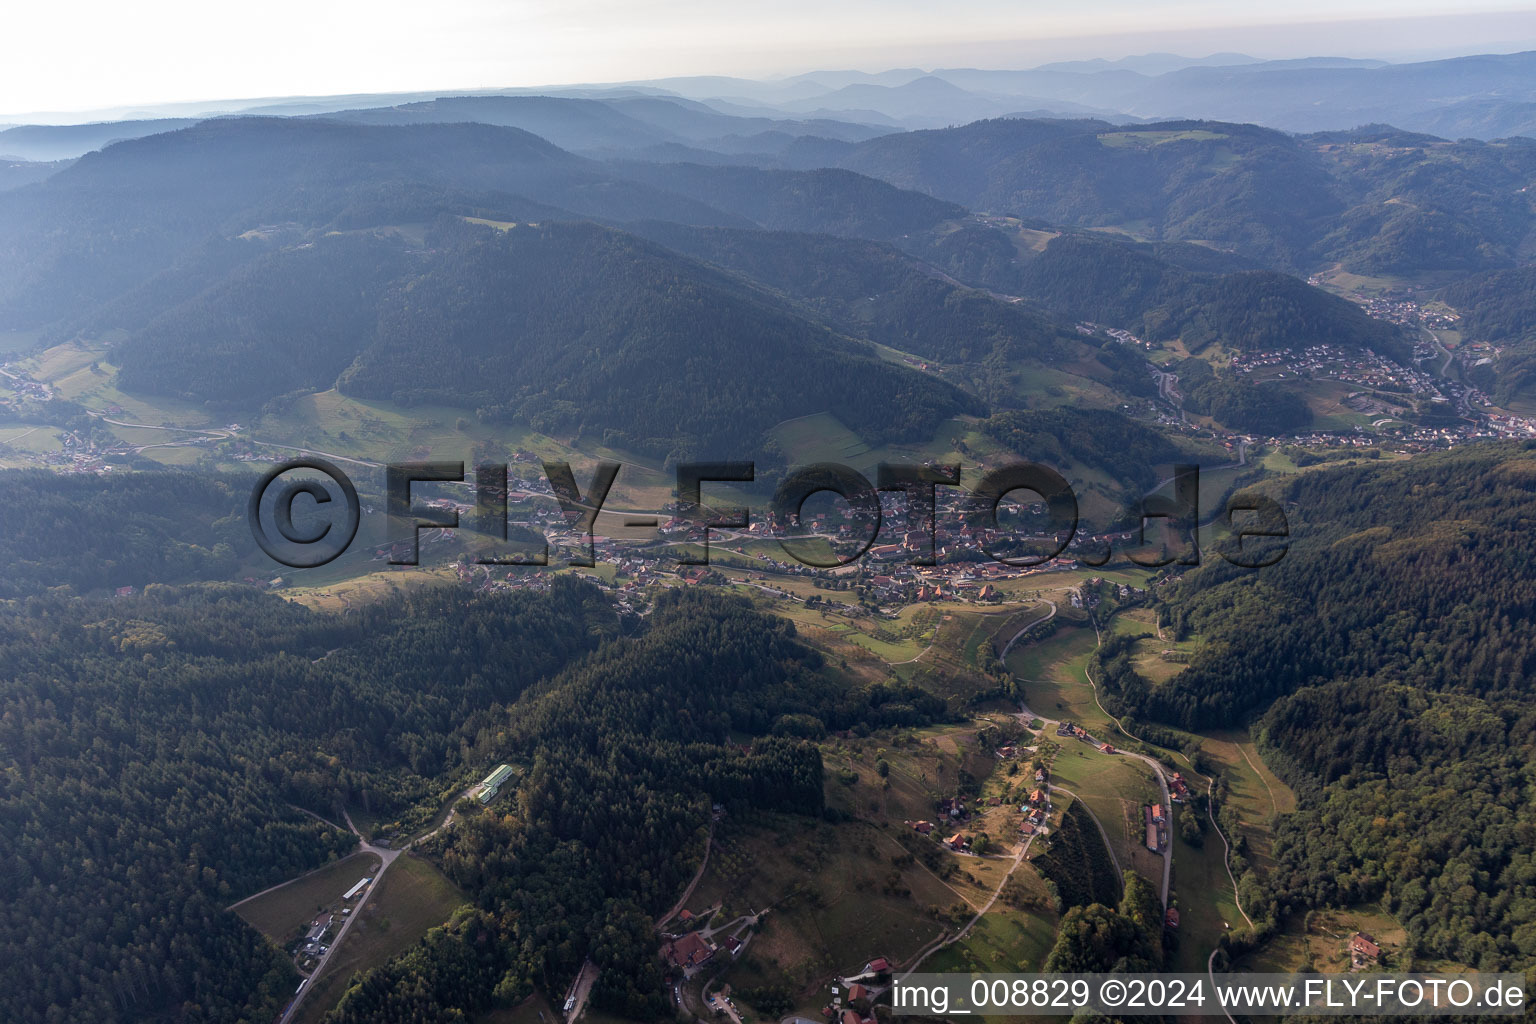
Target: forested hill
point(1389, 665)
point(87, 534)
point(152, 747)
point(1445, 571)
point(572, 328)
point(1500, 308)
point(1378, 200)
point(825, 200)
point(115, 218)
point(291, 319)
point(626, 753)
point(1238, 185)
point(578, 328)
point(1110, 282)
point(877, 291)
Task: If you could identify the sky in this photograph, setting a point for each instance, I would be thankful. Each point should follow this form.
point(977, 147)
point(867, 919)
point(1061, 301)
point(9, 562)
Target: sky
point(88, 55)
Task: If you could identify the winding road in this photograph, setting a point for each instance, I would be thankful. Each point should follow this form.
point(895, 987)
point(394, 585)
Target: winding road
point(1157, 772)
point(1026, 628)
point(943, 941)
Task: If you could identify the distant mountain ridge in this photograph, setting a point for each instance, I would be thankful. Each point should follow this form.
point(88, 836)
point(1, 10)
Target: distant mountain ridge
point(113, 219)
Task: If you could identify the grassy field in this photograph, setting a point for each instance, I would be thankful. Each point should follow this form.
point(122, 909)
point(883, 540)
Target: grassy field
point(1142, 140)
point(842, 893)
point(921, 771)
point(412, 898)
point(1115, 788)
point(1003, 941)
point(1319, 941)
point(356, 589)
point(1054, 681)
point(533, 1010)
point(280, 914)
point(820, 438)
point(836, 898)
point(1205, 899)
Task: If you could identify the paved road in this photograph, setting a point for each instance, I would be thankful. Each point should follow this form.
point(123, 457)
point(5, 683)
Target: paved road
point(387, 856)
point(581, 988)
point(291, 881)
point(941, 941)
point(1210, 790)
point(1434, 340)
point(1162, 781)
point(1157, 771)
point(1015, 638)
point(1210, 971)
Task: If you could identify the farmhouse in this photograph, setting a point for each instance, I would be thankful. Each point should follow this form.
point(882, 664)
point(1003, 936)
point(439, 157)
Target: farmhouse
point(1363, 949)
point(318, 929)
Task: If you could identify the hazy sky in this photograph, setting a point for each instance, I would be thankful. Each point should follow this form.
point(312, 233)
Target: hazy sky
point(71, 55)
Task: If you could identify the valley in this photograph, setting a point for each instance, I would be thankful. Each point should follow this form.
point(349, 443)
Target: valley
point(587, 758)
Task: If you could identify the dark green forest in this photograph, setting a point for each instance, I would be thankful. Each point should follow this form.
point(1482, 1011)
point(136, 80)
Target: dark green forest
point(1385, 664)
point(167, 751)
point(1376, 199)
point(878, 292)
point(1127, 451)
point(1091, 278)
point(571, 328)
point(158, 750)
point(1078, 863)
point(87, 533)
point(1101, 938)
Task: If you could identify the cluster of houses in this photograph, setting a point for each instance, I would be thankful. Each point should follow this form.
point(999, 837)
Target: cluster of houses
point(1088, 329)
point(1408, 313)
point(1035, 809)
point(1357, 366)
point(317, 939)
point(1078, 732)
